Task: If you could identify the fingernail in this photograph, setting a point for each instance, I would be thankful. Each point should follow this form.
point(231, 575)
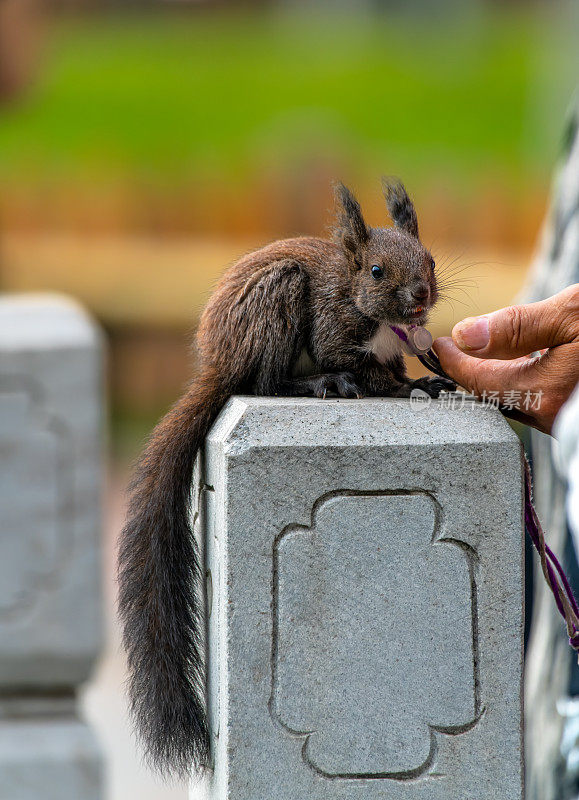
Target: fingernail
point(472, 333)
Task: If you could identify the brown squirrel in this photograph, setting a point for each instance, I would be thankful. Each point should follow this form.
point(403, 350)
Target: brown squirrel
point(304, 302)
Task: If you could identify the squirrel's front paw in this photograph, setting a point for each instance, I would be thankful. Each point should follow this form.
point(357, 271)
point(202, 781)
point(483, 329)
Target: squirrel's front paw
point(340, 383)
point(434, 386)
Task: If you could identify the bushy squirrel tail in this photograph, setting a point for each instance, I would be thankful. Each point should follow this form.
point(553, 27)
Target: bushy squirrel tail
point(160, 588)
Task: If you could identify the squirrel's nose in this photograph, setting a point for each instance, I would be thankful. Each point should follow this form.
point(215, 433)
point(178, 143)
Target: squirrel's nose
point(421, 293)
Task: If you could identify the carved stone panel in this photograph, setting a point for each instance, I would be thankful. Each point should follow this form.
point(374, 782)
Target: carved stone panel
point(34, 540)
point(373, 648)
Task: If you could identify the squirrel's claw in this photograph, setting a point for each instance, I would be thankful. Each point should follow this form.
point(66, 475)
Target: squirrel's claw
point(434, 386)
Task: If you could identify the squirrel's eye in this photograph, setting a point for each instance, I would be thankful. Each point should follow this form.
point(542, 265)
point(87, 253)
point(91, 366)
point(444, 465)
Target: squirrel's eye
point(377, 272)
point(432, 264)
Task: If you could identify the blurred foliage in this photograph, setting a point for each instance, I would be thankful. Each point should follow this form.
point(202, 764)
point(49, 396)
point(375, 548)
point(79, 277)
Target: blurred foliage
point(167, 97)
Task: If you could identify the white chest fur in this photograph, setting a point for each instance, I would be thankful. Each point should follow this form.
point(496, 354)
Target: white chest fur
point(304, 366)
point(384, 344)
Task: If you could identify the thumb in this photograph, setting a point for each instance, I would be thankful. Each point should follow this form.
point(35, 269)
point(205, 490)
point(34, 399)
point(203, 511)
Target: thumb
point(521, 329)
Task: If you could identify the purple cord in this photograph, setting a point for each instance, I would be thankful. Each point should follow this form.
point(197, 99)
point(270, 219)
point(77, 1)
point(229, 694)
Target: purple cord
point(533, 527)
point(564, 578)
point(400, 333)
point(532, 524)
point(533, 533)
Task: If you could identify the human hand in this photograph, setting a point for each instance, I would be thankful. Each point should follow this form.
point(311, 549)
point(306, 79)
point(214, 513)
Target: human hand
point(491, 355)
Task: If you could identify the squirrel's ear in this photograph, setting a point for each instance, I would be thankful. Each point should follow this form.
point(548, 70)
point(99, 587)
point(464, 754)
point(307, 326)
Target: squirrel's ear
point(400, 206)
point(350, 226)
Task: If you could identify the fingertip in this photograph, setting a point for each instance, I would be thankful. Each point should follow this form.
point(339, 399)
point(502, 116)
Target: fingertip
point(443, 345)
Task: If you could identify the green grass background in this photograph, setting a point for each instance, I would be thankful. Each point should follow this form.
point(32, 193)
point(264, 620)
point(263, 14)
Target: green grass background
point(165, 97)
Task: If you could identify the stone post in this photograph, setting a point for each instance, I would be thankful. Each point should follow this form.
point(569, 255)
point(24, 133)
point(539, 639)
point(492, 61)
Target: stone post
point(50, 604)
point(364, 571)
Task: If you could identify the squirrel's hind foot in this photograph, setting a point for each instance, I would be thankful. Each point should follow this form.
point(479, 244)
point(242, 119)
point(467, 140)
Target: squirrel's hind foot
point(341, 384)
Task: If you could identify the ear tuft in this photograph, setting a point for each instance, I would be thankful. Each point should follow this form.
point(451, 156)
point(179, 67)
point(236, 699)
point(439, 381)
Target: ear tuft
point(350, 229)
point(400, 206)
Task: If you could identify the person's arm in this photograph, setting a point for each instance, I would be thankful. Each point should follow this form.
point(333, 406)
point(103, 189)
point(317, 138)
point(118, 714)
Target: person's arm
point(491, 354)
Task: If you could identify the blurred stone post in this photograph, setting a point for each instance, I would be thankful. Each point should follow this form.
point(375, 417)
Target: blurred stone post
point(50, 500)
point(365, 599)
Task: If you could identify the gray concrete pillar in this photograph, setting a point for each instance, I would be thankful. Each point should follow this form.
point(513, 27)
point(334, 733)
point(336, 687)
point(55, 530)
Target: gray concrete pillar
point(50, 604)
point(364, 570)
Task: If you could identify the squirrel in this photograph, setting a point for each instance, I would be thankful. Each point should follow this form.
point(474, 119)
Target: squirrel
point(301, 316)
